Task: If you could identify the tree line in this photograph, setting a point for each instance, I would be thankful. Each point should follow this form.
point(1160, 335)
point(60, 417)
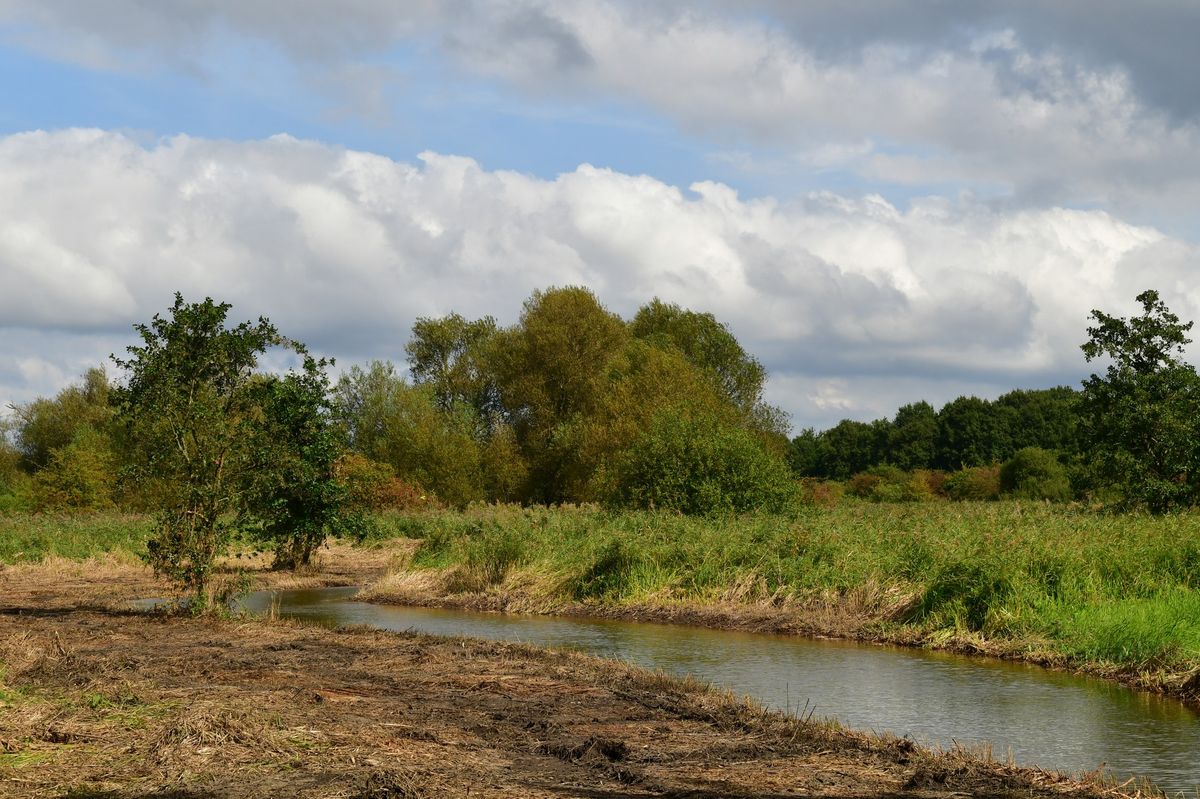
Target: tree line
point(570, 404)
point(965, 432)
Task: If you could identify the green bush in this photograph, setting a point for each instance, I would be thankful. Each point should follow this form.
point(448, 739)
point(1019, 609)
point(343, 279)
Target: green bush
point(701, 465)
point(889, 484)
point(1035, 473)
point(976, 483)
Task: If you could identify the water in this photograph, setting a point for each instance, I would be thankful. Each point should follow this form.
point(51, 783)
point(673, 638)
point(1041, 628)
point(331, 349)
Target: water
point(1044, 718)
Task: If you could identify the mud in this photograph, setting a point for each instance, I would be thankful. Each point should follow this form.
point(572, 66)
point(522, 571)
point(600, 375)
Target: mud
point(96, 701)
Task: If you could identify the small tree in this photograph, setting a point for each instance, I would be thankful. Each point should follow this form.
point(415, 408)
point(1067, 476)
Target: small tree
point(293, 498)
point(1141, 420)
point(189, 411)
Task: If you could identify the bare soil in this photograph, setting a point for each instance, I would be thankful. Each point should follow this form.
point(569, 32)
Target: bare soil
point(97, 701)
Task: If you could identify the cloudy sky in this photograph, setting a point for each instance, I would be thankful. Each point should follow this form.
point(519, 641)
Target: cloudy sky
point(886, 201)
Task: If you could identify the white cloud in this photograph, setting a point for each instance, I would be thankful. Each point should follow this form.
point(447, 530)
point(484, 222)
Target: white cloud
point(905, 98)
point(344, 249)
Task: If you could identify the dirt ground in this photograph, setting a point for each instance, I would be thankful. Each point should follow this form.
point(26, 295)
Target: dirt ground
point(98, 701)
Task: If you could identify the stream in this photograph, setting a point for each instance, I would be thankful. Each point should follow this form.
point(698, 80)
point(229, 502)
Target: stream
point(1044, 718)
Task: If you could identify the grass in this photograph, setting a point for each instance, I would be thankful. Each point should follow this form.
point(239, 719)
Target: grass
point(1121, 590)
point(33, 537)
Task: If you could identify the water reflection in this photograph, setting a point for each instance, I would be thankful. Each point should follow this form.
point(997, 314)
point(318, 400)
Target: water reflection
point(1044, 718)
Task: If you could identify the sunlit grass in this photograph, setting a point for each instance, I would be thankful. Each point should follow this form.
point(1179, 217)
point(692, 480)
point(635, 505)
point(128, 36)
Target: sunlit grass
point(1112, 588)
point(31, 537)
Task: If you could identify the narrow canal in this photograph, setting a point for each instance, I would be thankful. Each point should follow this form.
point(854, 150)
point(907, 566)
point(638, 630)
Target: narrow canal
point(1044, 718)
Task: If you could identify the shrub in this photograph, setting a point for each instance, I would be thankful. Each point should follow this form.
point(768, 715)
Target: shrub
point(889, 484)
point(371, 485)
point(820, 493)
point(976, 483)
point(701, 465)
point(1035, 473)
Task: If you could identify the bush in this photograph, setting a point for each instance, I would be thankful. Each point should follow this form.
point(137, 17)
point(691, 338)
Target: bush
point(889, 484)
point(1035, 473)
point(701, 465)
point(977, 483)
point(820, 493)
point(371, 485)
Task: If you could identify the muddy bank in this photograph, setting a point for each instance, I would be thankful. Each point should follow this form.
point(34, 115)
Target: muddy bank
point(866, 616)
point(118, 704)
point(96, 701)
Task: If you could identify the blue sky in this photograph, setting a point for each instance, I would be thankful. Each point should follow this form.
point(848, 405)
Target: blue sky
point(887, 202)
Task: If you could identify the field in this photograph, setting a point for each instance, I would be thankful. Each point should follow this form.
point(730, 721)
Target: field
point(99, 701)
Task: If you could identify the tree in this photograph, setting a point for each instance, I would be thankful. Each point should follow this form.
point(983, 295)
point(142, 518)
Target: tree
point(45, 425)
point(971, 433)
point(698, 464)
point(707, 344)
point(294, 499)
point(1035, 473)
point(388, 420)
point(450, 355)
point(1141, 420)
point(850, 447)
point(189, 409)
point(912, 438)
point(554, 370)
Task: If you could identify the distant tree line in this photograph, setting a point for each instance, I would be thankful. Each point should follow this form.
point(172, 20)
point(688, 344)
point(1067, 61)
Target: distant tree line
point(964, 433)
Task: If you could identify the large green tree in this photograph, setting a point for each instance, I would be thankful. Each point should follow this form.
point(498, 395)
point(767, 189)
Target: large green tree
point(1140, 420)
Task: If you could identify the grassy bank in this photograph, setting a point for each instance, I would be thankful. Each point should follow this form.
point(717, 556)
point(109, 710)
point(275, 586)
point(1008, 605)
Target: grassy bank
point(1115, 594)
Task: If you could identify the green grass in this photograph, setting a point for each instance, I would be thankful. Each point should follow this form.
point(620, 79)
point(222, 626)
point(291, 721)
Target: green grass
point(1114, 589)
point(31, 537)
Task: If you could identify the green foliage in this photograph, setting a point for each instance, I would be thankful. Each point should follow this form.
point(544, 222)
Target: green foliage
point(1034, 473)
point(293, 499)
point(79, 476)
point(451, 356)
point(912, 438)
point(387, 420)
point(553, 370)
point(46, 425)
point(696, 464)
point(190, 413)
point(706, 344)
point(889, 484)
point(1141, 419)
point(975, 483)
point(1046, 418)
point(970, 433)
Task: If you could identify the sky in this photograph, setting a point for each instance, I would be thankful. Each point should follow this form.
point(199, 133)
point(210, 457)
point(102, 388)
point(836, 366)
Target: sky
point(886, 202)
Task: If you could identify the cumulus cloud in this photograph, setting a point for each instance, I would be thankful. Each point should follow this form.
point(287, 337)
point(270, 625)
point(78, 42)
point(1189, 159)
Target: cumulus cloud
point(344, 249)
point(1064, 103)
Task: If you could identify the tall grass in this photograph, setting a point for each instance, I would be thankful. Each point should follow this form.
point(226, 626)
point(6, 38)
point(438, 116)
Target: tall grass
point(31, 537)
point(1123, 589)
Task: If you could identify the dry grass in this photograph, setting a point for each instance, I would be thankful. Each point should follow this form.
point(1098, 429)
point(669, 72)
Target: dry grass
point(136, 705)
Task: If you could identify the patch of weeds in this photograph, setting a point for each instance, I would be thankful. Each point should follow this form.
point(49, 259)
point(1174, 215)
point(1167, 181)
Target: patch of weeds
point(22, 759)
